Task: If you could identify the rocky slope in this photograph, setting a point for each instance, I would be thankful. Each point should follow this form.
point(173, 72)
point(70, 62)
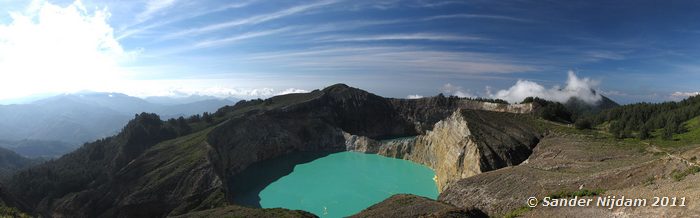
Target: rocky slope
point(238, 211)
point(425, 112)
point(570, 162)
point(467, 143)
point(403, 205)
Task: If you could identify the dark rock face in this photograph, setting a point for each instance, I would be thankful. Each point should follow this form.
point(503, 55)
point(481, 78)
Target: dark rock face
point(503, 139)
point(404, 205)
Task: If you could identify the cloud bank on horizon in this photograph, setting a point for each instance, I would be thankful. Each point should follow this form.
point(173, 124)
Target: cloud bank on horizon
point(393, 48)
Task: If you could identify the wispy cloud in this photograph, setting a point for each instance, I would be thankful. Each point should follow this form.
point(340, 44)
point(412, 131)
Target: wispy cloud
point(409, 36)
point(198, 13)
point(604, 55)
point(250, 20)
point(397, 59)
point(477, 16)
point(433, 4)
point(344, 26)
point(153, 7)
point(239, 37)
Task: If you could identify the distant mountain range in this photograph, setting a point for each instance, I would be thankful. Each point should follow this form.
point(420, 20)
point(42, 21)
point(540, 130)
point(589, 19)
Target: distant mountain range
point(56, 125)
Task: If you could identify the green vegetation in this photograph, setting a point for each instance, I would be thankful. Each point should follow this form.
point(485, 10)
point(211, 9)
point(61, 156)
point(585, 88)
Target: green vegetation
point(680, 175)
point(583, 124)
point(12, 212)
point(649, 181)
point(517, 212)
point(578, 193)
point(691, 135)
point(497, 101)
point(549, 110)
point(641, 119)
point(100, 160)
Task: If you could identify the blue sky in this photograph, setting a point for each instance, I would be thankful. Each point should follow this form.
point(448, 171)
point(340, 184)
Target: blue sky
point(628, 50)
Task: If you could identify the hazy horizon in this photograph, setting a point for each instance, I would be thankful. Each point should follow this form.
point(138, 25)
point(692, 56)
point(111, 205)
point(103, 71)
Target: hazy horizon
point(629, 51)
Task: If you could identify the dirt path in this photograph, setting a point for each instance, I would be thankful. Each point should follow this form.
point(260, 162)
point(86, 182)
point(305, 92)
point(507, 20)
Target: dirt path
point(655, 148)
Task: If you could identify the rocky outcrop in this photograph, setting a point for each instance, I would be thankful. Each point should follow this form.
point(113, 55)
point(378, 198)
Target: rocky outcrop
point(465, 144)
point(405, 205)
point(425, 112)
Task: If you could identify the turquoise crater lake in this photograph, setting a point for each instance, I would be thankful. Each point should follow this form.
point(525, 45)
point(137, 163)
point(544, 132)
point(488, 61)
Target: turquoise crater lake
point(339, 184)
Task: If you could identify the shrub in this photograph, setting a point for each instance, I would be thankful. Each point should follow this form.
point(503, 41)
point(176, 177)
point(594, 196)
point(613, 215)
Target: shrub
point(680, 175)
point(579, 193)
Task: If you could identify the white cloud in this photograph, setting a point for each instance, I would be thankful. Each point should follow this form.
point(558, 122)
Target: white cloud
point(241, 93)
point(682, 95)
point(49, 48)
point(458, 91)
point(575, 87)
point(414, 96)
point(291, 90)
point(221, 88)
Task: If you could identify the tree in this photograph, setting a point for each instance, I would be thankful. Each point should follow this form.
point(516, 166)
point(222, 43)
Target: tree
point(616, 129)
point(583, 123)
point(672, 126)
point(207, 117)
point(182, 127)
point(644, 133)
point(194, 118)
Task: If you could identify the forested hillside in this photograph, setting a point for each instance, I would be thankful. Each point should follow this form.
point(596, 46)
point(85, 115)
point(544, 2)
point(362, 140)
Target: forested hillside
point(641, 119)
